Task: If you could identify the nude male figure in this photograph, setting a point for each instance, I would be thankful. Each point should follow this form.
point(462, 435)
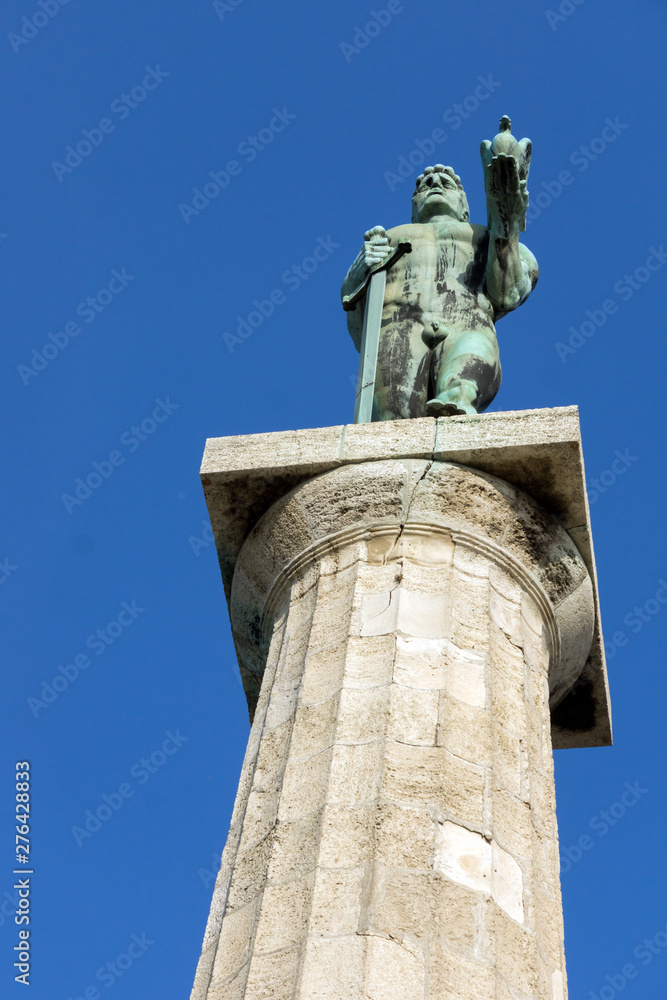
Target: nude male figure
point(438, 353)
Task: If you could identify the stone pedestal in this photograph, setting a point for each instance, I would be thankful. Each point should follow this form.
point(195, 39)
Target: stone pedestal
point(410, 623)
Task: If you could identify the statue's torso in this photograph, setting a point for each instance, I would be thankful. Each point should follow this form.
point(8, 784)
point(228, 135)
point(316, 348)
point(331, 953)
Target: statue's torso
point(443, 280)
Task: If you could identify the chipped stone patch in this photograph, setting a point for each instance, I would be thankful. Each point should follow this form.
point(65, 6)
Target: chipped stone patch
point(469, 859)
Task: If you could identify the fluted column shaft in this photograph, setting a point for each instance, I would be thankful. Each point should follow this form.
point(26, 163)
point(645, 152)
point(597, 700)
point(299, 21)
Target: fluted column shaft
point(394, 835)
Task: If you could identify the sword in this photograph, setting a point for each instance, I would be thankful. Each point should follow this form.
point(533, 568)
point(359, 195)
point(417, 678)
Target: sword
point(375, 281)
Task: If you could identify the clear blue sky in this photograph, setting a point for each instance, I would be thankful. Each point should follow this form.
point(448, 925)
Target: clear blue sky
point(139, 301)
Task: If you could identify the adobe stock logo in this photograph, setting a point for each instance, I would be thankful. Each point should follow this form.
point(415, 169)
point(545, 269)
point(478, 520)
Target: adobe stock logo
point(565, 10)
point(292, 278)
point(88, 310)
point(222, 7)
point(249, 149)
point(142, 771)
point(640, 615)
point(206, 539)
point(6, 570)
point(601, 824)
point(31, 26)
point(625, 288)
point(378, 19)
point(582, 157)
point(454, 116)
point(608, 477)
point(644, 952)
point(113, 970)
point(98, 642)
point(132, 439)
point(122, 107)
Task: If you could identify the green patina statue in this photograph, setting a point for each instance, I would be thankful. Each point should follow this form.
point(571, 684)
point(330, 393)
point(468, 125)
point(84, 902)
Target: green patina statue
point(437, 353)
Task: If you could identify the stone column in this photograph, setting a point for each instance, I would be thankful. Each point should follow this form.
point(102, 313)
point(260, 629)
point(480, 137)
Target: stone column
point(394, 834)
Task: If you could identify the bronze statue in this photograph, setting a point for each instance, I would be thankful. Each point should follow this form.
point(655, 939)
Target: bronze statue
point(437, 352)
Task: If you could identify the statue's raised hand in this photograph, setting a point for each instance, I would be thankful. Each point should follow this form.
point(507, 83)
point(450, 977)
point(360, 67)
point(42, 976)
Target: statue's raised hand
point(506, 195)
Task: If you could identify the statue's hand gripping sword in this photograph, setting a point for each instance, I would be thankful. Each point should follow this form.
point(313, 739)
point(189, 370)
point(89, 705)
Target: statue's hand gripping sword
point(375, 281)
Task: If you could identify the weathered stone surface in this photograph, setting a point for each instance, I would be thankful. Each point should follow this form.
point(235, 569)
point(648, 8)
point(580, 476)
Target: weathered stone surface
point(422, 497)
point(538, 451)
point(394, 834)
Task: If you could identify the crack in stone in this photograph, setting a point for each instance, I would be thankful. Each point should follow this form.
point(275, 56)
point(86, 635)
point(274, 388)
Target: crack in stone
point(383, 611)
point(401, 528)
point(427, 469)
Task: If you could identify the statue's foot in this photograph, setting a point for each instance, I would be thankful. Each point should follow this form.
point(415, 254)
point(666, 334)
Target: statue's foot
point(441, 408)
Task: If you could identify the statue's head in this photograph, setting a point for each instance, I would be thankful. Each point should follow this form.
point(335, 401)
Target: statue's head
point(439, 191)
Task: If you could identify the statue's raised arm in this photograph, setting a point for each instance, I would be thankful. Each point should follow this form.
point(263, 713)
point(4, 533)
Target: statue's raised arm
point(511, 270)
point(438, 353)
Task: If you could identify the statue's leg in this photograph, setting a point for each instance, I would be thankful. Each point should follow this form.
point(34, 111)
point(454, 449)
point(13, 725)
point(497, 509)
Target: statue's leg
point(402, 377)
point(466, 373)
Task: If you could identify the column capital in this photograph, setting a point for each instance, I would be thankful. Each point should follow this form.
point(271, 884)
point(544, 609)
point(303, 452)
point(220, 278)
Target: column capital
point(529, 461)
